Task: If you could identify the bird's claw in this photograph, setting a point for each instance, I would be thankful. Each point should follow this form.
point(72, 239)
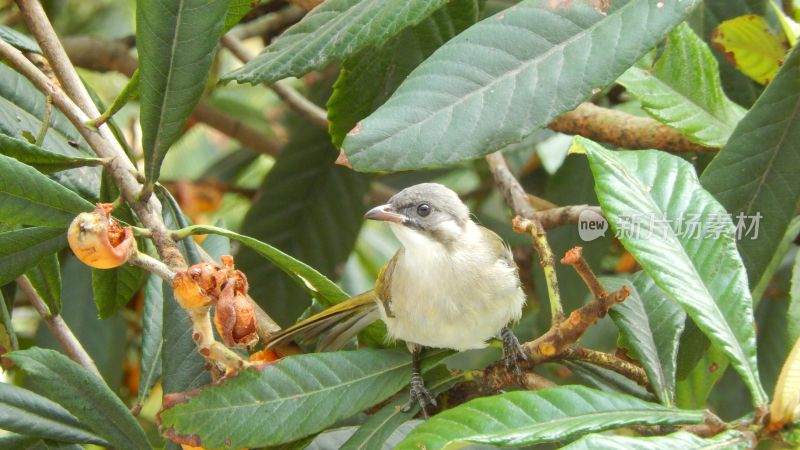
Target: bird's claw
point(513, 354)
point(419, 395)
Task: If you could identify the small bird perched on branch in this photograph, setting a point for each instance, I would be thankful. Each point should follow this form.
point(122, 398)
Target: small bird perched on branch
point(453, 284)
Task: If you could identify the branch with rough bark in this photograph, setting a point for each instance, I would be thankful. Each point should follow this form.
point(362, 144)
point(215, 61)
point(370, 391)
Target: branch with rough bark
point(624, 130)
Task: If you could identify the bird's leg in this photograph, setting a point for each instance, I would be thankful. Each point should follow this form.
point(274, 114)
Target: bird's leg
point(513, 354)
point(418, 393)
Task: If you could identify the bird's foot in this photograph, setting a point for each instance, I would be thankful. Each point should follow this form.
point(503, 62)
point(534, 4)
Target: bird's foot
point(513, 354)
point(419, 395)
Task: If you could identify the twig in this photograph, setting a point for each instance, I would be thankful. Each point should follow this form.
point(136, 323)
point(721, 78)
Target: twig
point(574, 258)
point(554, 217)
point(291, 97)
point(546, 260)
point(624, 130)
point(235, 128)
point(55, 323)
point(608, 361)
point(114, 55)
point(152, 265)
point(269, 24)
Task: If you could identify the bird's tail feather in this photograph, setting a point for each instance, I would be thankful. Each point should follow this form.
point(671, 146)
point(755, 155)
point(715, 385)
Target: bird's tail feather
point(342, 322)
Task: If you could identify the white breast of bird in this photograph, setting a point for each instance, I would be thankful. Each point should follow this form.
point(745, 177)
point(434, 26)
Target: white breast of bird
point(456, 299)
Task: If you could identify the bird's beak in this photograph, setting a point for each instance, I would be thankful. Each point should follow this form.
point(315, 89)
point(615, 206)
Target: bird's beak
point(385, 213)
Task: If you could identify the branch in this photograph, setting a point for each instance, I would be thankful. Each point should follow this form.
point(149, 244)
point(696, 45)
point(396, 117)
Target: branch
point(59, 328)
point(516, 198)
point(152, 265)
point(624, 130)
point(606, 360)
point(291, 97)
point(100, 55)
point(554, 217)
point(268, 25)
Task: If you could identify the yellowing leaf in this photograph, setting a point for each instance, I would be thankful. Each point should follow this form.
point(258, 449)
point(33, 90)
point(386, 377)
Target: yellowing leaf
point(751, 46)
point(787, 391)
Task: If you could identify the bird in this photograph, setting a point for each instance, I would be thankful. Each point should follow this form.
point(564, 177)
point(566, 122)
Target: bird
point(452, 284)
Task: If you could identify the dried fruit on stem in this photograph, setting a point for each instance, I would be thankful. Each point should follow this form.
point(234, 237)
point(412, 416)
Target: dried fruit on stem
point(98, 240)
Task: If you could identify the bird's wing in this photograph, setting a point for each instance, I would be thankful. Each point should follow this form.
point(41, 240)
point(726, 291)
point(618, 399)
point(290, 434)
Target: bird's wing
point(383, 284)
point(499, 246)
point(342, 321)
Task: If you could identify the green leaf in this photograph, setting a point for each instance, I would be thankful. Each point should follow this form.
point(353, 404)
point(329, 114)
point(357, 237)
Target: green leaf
point(368, 78)
point(606, 380)
point(20, 442)
point(503, 78)
point(693, 391)
point(30, 198)
point(682, 440)
point(25, 412)
point(114, 288)
point(321, 388)
point(310, 208)
point(316, 284)
point(21, 108)
point(176, 40)
point(128, 93)
point(19, 40)
point(527, 417)
point(43, 160)
point(237, 9)
point(152, 340)
point(46, 279)
point(683, 239)
point(683, 90)
point(753, 175)
point(651, 324)
point(21, 250)
point(8, 338)
point(330, 33)
point(750, 45)
point(787, 242)
point(83, 394)
point(380, 426)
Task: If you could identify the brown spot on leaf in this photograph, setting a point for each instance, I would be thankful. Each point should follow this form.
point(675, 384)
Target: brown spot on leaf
point(713, 367)
point(356, 129)
point(343, 161)
point(186, 439)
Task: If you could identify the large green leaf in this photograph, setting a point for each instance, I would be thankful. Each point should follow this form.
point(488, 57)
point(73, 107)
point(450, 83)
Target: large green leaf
point(506, 76)
point(45, 278)
point(651, 324)
point(19, 40)
point(21, 250)
point(309, 208)
point(330, 33)
point(83, 394)
point(754, 175)
point(30, 198)
point(320, 388)
point(693, 390)
point(28, 413)
point(684, 240)
point(21, 442)
point(368, 78)
point(152, 337)
point(176, 40)
point(682, 440)
point(22, 108)
point(531, 417)
point(114, 288)
point(43, 160)
point(683, 90)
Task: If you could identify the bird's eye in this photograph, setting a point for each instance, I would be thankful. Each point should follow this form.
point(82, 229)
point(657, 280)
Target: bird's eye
point(423, 209)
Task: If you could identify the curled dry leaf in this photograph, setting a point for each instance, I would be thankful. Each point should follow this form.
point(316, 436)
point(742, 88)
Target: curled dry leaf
point(98, 240)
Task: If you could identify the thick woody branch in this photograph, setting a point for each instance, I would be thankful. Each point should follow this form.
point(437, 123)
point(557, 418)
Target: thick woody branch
point(291, 97)
point(72, 347)
point(606, 360)
point(624, 130)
